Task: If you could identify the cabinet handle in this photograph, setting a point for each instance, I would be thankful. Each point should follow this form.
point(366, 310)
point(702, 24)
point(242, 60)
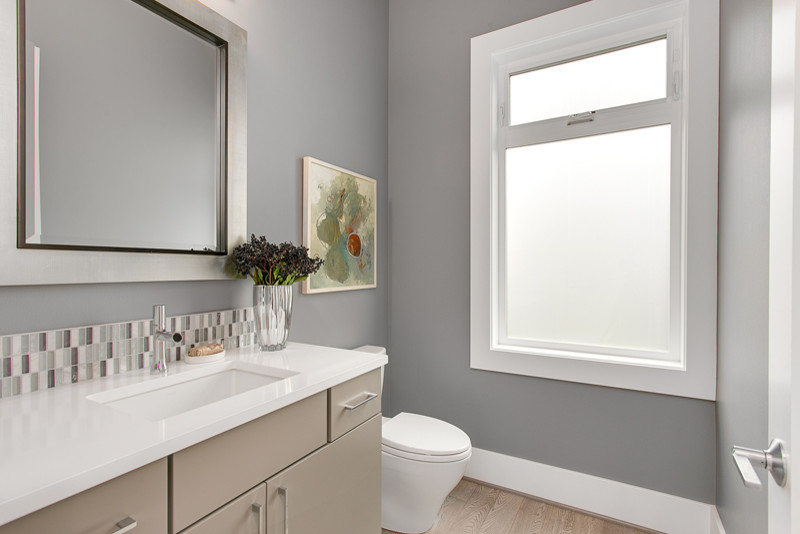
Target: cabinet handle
point(126, 525)
point(370, 396)
point(282, 490)
point(262, 524)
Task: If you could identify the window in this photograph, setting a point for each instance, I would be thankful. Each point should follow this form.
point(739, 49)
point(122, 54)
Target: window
point(593, 177)
point(632, 74)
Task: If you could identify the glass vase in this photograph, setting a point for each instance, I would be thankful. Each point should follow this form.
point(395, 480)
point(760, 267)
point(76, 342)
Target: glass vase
point(272, 308)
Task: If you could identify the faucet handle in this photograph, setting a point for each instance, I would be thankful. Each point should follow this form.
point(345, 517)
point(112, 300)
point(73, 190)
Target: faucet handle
point(160, 317)
point(160, 325)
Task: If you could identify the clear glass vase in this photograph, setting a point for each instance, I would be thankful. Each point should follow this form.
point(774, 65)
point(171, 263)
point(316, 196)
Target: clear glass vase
point(272, 308)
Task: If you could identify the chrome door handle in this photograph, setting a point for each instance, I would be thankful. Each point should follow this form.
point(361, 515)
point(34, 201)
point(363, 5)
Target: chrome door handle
point(282, 490)
point(369, 395)
point(126, 525)
point(743, 459)
point(258, 508)
point(773, 459)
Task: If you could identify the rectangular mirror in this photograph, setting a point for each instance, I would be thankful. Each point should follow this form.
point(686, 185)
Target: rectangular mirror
point(123, 129)
point(131, 137)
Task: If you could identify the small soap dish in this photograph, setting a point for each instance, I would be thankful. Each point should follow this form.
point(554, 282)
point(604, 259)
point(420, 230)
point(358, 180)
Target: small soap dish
point(204, 359)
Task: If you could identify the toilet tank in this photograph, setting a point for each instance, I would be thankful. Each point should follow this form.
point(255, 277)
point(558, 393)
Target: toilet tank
point(372, 349)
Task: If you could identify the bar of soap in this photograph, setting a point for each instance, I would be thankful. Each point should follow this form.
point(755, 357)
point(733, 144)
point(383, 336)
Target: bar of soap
point(206, 350)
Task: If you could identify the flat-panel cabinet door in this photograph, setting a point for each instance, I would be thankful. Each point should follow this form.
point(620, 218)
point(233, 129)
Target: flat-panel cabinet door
point(244, 515)
point(135, 502)
point(336, 490)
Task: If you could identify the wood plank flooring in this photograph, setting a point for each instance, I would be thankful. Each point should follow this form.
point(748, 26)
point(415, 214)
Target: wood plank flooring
point(473, 508)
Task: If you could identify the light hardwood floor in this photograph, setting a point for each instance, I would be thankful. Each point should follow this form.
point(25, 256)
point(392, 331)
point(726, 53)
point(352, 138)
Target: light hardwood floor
point(473, 508)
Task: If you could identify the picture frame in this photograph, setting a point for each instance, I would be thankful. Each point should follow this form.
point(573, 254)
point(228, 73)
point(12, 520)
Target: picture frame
point(339, 226)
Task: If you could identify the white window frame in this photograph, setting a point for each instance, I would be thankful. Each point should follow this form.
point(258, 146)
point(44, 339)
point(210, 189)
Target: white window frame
point(691, 107)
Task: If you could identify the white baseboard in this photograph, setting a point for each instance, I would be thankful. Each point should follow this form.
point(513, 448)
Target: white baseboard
point(623, 502)
point(716, 522)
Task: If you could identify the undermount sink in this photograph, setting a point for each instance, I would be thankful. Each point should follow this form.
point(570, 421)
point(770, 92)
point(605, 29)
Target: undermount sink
point(164, 397)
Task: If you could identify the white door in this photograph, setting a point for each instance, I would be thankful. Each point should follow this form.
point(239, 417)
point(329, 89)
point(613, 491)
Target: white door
point(784, 257)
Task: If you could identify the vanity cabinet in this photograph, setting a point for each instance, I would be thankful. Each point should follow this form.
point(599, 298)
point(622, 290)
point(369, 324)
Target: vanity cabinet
point(320, 458)
point(112, 507)
point(336, 490)
point(310, 467)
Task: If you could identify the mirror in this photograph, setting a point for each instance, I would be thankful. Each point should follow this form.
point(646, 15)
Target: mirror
point(132, 141)
point(123, 129)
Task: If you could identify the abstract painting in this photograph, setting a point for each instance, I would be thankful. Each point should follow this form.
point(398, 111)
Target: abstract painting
point(339, 226)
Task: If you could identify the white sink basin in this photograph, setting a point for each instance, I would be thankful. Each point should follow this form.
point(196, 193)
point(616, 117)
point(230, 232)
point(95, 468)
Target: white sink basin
point(164, 397)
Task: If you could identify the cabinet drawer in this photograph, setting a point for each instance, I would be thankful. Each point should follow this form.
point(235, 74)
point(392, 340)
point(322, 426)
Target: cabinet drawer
point(213, 472)
point(140, 495)
point(336, 490)
point(245, 515)
point(346, 403)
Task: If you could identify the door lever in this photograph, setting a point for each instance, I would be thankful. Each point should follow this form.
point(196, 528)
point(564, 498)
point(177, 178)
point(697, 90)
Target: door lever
point(773, 459)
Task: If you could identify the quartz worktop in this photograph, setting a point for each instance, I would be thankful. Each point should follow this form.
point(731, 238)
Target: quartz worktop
point(57, 443)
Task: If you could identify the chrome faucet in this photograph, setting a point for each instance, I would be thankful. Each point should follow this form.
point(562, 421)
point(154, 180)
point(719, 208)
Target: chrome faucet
point(161, 336)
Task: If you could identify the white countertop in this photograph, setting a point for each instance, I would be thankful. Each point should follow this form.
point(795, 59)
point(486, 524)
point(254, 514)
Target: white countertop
point(57, 443)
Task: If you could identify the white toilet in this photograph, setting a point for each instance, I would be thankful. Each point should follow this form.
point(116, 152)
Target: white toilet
point(422, 460)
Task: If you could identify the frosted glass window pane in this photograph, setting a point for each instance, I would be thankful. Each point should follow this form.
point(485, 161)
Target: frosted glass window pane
point(634, 74)
point(587, 240)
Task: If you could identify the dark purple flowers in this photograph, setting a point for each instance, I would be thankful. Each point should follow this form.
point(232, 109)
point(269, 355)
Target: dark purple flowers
point(270, 264)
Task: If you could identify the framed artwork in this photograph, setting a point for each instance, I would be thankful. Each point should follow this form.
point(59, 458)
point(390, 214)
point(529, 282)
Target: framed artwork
point(339, 221)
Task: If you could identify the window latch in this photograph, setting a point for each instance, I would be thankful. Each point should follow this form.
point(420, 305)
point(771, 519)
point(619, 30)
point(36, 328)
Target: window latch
point(579, 118)
point(676, 85)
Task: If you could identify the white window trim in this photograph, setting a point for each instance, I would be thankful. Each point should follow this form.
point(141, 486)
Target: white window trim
point(575, 31)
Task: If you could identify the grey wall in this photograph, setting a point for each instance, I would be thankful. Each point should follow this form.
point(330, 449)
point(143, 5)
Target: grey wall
point(317, 85)
point(658, 442)
point(743, 254)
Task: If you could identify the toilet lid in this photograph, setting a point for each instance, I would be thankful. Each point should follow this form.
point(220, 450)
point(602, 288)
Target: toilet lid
point(418, 434)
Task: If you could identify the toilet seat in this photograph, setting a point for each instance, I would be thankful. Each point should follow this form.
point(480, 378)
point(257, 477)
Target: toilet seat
point(427, 458)
point(424, 439)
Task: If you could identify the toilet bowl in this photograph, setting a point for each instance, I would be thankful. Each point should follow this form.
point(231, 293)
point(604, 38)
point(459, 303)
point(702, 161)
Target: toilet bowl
point(422, 460)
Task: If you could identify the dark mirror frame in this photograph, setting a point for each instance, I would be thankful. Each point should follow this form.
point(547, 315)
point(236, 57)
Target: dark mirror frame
point(222, 106)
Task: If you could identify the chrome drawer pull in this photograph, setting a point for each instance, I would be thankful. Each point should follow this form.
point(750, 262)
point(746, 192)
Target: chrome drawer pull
point(262, 523)
point(370, 396)
point(126, 525)
point(282, 490)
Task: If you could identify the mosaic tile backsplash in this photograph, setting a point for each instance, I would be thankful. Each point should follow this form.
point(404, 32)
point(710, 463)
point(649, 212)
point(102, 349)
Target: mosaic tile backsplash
point(41, 360)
